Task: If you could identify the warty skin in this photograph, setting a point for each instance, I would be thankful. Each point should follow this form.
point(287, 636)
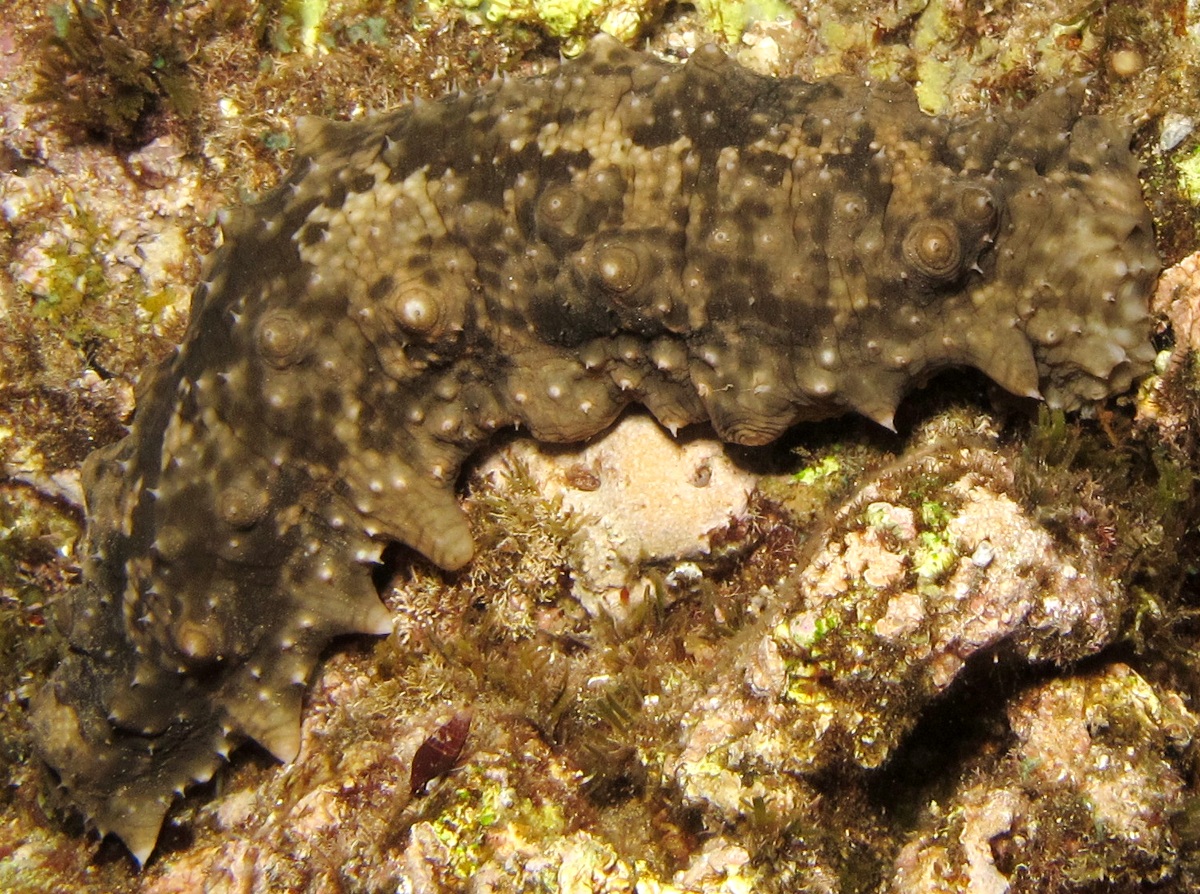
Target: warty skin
point(715, 245)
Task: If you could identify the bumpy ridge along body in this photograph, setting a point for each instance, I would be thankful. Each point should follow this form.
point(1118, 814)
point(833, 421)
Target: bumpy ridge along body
point(707, 242)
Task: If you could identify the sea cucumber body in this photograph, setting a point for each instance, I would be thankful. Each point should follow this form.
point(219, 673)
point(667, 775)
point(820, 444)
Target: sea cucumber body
point(715, 245)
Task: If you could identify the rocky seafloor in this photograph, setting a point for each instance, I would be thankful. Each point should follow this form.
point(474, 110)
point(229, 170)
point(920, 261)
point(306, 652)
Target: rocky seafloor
point(957, 658)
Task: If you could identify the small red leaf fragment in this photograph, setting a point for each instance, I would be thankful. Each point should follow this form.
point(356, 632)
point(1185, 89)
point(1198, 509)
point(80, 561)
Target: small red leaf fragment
point(439, 753)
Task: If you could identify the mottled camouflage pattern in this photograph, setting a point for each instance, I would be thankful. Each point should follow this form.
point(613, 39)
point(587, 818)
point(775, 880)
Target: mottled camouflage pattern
point(713, 244)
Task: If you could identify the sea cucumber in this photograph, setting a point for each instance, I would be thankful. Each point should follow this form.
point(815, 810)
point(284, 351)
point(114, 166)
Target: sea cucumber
point(716, 245)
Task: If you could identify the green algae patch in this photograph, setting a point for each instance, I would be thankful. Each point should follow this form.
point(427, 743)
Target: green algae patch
point(482, 809)
point(572, 21)
point(307, 16)
point(76, 272)
point(730, 18)
point(575, 21)
point(1188, 169)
